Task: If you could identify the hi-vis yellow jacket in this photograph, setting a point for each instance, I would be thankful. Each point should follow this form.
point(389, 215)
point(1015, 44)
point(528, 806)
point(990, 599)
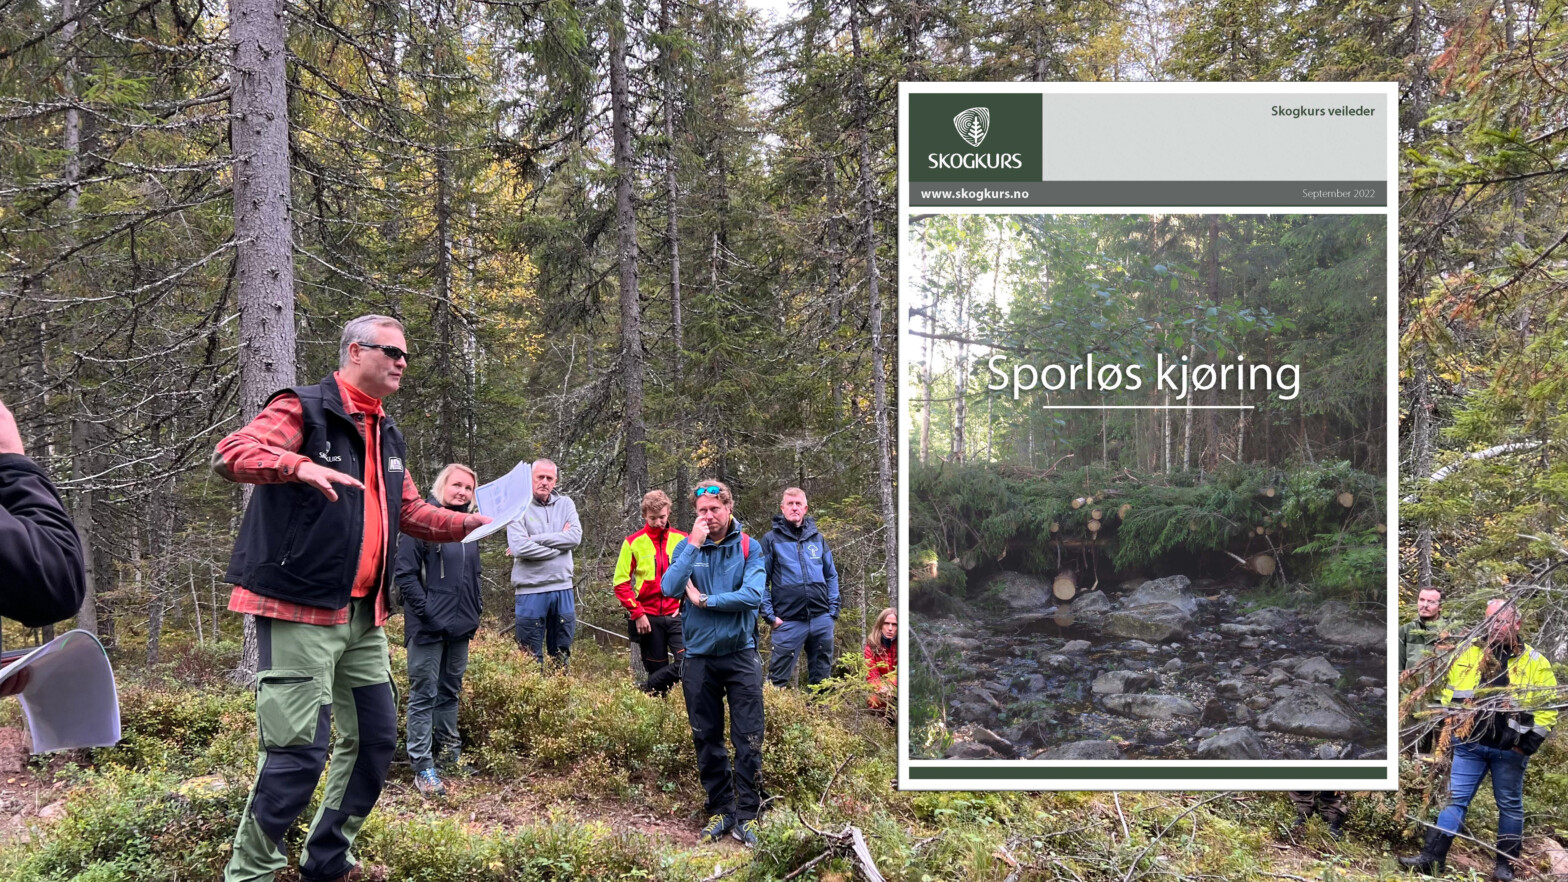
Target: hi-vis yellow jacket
point(645, 555)
point(1531, 684)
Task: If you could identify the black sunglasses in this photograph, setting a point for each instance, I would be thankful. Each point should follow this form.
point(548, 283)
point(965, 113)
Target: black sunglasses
point(391, 352)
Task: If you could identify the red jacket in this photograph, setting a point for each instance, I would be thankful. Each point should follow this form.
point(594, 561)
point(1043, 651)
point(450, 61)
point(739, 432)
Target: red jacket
point(645, 555)
point(881, 663)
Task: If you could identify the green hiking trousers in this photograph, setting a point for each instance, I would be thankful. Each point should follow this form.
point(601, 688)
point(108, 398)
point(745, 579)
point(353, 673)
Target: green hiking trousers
point(309, 677)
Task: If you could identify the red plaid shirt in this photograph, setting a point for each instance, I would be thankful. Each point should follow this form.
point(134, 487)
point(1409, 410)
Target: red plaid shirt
point(267, 452)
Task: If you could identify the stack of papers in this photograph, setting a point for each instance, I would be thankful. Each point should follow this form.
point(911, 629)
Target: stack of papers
point(504, 500)
point(70, 699)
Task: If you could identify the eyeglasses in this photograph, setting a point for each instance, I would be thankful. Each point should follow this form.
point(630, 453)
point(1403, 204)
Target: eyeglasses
point(391, 352)
point(707, 491)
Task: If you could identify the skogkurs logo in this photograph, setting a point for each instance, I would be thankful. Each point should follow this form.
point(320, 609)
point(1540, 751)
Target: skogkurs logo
point(972, 125)
point(960, 137)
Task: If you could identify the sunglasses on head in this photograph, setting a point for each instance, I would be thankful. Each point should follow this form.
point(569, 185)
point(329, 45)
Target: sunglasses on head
point(708, 491)
point(391, 352)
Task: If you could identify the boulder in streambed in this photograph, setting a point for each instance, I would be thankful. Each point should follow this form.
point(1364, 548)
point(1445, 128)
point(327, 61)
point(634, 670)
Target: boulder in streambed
point(1313, 710)
point(1172, 590)
point(1238, 742)
point(1090, 606)
point(1151, 707)
point(1316, 669)
point(1155, 622)
point(1117, 682)
point(1018, 593)
point(1084, 750)
point(1337, 623)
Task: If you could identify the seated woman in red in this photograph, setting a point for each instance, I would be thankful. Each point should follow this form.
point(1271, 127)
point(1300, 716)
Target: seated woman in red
point(882, 658)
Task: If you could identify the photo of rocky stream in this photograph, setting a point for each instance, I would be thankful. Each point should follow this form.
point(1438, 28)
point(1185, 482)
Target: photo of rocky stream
point(1165, 668)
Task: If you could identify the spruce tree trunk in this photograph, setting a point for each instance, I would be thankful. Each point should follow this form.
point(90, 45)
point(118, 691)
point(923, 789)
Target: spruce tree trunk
point(961, 397)
point(672, 234)
point(632, 366)
point(878, 368)
point(263, 231)
point(85, 516)
point(1211, 432)
point(1421, 456)
point(448, 410)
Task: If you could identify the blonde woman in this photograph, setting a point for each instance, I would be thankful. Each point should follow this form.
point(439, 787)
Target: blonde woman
point(439, 582)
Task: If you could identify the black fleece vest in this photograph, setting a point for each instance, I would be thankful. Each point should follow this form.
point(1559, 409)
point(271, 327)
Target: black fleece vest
point(297, 546)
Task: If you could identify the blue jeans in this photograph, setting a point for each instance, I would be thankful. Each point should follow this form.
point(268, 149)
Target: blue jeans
point(547, 620)
point(1471, 763)
point(435, 681)
point(817, 636)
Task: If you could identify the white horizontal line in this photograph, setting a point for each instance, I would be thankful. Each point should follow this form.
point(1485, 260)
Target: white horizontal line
point(1148, 407)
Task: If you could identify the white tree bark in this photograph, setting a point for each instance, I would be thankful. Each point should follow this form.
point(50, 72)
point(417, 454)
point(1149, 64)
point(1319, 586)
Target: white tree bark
point(1489, 453)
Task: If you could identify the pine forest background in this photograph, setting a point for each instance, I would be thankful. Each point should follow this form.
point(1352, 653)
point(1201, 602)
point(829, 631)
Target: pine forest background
point(656, 242)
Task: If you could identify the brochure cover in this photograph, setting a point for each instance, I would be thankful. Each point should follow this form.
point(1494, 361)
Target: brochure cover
point(1147, 342)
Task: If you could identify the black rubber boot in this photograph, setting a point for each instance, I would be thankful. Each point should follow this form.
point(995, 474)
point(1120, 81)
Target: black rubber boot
point(1508, 852)
point(1300, 826)
point(1434, 853)
point(1336, 827)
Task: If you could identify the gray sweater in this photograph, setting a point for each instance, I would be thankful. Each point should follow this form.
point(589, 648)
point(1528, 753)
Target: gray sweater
point(541, 542)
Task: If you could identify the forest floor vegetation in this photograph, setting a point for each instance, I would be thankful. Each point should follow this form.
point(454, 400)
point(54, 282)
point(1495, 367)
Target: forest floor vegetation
point(580, 776)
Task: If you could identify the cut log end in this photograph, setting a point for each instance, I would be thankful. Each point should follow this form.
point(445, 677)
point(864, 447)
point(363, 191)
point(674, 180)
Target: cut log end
point(1079, 502)
point(1262, 564)
point(1097, 514)
point(1056, 526)
point(1065, 585)
point(1122, 512)
point(1260, 529)
point(1094, 526)
point(1346, 499)
point(1269, 492)
point(1381, 528)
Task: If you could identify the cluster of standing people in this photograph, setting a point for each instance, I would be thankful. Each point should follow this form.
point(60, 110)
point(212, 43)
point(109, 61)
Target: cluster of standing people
point(1502, 697)
point(1498, 701)
point(318, 553)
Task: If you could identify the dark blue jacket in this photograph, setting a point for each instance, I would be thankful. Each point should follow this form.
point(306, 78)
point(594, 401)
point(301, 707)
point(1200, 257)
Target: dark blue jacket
point(803, 583)
point(439, 582)
point(42, 579)
point(733, 580)
point(297, 546)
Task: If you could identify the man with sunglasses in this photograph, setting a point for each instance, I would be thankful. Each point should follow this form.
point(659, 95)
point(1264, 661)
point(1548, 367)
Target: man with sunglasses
point(719, 571)
point(313, 562)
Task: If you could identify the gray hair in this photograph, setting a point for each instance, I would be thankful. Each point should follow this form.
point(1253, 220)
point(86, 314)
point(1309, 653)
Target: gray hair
point(361, 330)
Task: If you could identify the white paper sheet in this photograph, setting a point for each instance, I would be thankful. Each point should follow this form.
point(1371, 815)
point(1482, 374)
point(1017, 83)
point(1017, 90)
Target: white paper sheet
point(70, 699)
point(503, 500)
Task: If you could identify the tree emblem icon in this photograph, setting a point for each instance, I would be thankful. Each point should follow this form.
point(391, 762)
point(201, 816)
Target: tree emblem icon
point(973, 124)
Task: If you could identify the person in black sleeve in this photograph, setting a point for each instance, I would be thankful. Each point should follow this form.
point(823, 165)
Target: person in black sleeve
point(439, 582)
point(42, 579)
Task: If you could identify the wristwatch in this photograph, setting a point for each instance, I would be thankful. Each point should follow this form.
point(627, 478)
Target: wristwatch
point(702, 600)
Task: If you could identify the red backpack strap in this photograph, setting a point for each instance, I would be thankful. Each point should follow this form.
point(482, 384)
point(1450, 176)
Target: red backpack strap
point(745, 545)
